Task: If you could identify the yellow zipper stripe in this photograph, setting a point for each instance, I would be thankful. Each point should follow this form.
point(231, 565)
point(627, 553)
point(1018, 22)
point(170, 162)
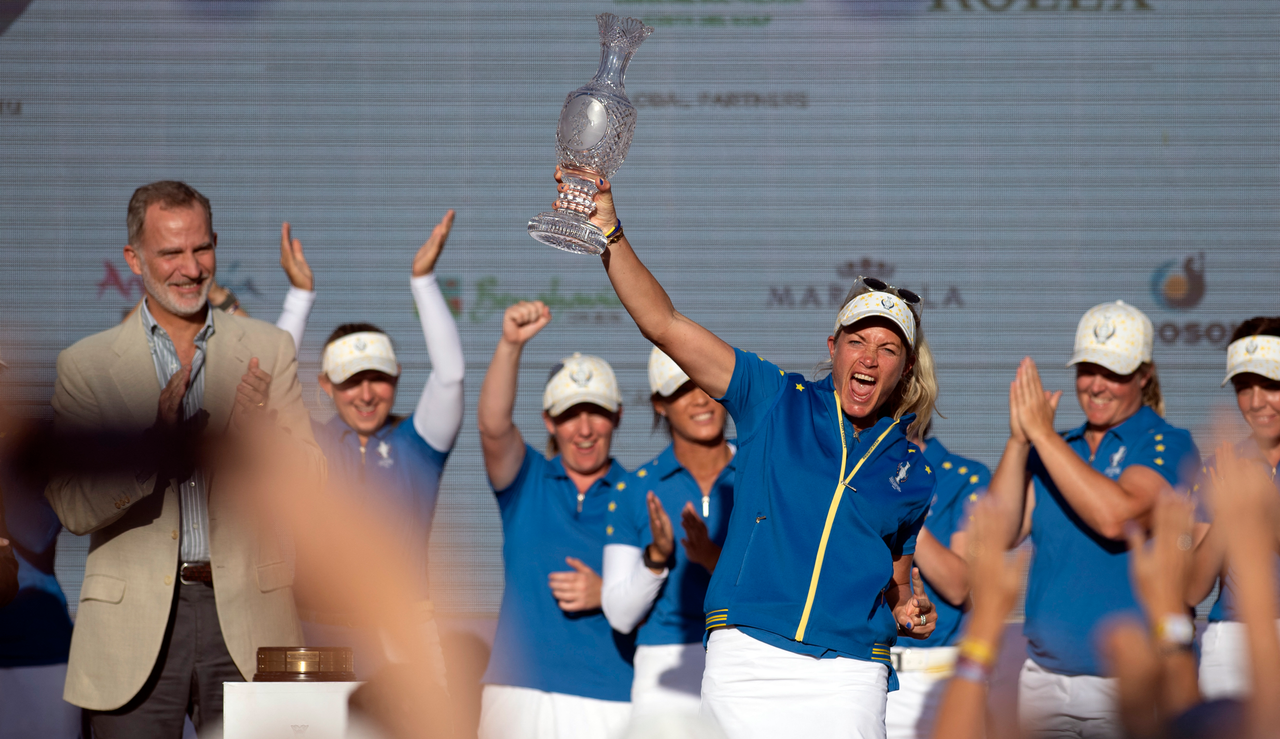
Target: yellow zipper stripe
point(841, 481)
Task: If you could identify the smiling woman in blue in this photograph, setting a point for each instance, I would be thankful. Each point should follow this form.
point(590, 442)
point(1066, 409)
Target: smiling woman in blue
point(814, 583)
point(1073, 493)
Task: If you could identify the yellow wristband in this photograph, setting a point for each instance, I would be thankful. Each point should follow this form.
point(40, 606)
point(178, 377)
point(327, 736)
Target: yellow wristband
point(979, 651)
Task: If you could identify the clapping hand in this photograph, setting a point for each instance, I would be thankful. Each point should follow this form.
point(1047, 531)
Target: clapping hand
point(697, 543)
point(169, 412)
point(1031, 407)
point(660, 526)
point(251, 396)
point(424, 262)
point(578, 590)
point(295, 265)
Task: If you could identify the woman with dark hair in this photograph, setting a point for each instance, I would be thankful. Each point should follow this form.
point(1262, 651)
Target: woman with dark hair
point(812, 587)
point(1253, 369)
point(651, 586)
point(1074, 493)
point(395, 458)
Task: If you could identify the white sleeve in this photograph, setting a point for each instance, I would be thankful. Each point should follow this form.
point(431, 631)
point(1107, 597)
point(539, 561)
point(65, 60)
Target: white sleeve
point(297, 308)
point(629, 587)
point(438, 417)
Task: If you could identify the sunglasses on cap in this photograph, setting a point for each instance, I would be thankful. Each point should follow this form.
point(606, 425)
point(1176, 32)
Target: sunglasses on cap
point(873, 285)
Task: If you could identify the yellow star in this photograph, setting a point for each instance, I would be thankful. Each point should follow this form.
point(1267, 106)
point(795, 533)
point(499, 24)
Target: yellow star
point(946, 465)
point(642, 473)
point(613, 506)
point(963, 470)
point(608, 531)
point(1159, 447)
point(927, 471)
point(622, 486)
point(1159, 461)
point(799, 386)
point(1159, 437)
point(973, 479)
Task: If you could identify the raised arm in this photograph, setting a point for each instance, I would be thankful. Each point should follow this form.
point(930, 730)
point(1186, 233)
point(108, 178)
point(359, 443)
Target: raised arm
point(500, 440)
point(438, 417)
point(1010, 483)
point(706, 358)
point(1102, 503)
point(302, 286)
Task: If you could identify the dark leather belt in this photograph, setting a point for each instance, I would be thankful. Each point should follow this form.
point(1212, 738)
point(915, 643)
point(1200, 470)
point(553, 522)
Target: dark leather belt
point(196, 572)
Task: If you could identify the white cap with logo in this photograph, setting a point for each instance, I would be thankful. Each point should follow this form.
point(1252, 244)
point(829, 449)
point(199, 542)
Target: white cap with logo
point(353, 353)
point(665, 376)
point(581, 378)
point(1116, 336)
point(1259, 355)
point(882, 304)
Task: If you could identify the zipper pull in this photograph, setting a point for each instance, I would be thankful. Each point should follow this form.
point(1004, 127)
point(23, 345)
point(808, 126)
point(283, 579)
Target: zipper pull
point(580, 497)
point(760, 518)
point(706, 505)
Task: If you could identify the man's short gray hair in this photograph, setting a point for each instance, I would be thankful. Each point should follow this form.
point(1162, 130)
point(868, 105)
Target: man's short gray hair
point(169, 194)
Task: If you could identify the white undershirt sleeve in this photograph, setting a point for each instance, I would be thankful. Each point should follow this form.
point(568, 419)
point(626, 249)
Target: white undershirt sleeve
point(629, 587)
point(297, 308)
point(438, 417)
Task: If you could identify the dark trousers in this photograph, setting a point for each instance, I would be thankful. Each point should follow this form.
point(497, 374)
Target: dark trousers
point(187, 679)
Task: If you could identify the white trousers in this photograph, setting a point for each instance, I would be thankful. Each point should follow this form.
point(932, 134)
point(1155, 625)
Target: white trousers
point(31, 703)
point(1224, 660)
point(912, 709)
point(508, 712)
point(668, 679)
point(1076, 706)
point(753, 690)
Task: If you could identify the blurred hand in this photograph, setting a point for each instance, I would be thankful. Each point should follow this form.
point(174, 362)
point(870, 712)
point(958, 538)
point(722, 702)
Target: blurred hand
point(578, 590)
point(251, 396)
point(169, 412)
point(1031, 405)
point(424, 262)
point(295, 265)
point(1161, 570)
point(697, 543)
point(660, 526)
point(524, 320)
point(604, 216)
point(916, 617)
point(994, 579)
point(1242, 496)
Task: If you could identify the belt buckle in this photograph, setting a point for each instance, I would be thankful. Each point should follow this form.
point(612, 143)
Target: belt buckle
point(184, 580)
point(895, 659)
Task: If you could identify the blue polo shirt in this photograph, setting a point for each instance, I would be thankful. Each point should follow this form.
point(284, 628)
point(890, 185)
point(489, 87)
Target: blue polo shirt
point(960, 482)
point(538, 645)
point(1078, 578)
point(676, 617)
point(808, 559)
point(398, 466)
point(1224, 608)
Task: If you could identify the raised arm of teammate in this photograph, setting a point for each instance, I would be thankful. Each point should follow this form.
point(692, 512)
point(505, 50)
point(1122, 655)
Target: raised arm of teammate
point(500, 440)
point(302, 287)
point(438, 416)
point(703, 356)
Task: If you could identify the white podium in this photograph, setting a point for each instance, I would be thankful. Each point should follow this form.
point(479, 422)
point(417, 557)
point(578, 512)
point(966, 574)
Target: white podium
point(285, 710)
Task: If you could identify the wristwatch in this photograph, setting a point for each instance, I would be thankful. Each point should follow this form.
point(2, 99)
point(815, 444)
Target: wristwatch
point(655, 565)
point(1175, 631)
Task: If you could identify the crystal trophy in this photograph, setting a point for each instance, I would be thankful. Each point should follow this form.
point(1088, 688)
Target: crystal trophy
point(596, 125)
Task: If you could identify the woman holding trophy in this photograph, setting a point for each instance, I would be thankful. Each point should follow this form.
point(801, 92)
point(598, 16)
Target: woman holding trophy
point(812, 587)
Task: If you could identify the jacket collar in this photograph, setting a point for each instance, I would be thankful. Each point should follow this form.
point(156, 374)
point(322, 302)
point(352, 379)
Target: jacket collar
point(612, 476)
point(342, 432)
point(666, 464)
point(935, 453)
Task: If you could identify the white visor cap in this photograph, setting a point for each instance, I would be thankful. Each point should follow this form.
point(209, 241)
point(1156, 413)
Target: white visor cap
point(1259, 355)
point(581, 378)
point(1114, 335)
point(665, 376)
point(886, 305)
point(366, 350)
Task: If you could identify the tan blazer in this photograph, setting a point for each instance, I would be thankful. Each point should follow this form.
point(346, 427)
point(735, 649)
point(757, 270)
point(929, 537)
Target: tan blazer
point(109, 380)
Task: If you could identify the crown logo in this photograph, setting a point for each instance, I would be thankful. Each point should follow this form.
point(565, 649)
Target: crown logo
point(1104, 330)
point(581, 376)
point(851, 269)
point(1251, 346)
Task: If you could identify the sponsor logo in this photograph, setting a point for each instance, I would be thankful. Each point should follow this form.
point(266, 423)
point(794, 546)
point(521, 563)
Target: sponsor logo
point(1179, 285)
point(123, 282)
point(831, 295)
point(1113, 469)
point(901, 476)
point(578, 307)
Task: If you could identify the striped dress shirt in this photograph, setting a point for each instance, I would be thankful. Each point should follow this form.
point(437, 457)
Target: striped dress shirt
point(193, 493)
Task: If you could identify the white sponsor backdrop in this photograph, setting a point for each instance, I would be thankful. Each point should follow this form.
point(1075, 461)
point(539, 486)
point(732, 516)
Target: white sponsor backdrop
point(1017, 161)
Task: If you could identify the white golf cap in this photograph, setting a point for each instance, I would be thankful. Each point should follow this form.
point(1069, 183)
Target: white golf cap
point(886, 305)
point(581, 378)
point(366, 350)
point(665, 376)
point(1257, 354)
point(1114, 335)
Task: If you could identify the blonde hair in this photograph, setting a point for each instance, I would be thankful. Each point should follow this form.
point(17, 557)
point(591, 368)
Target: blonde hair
point(917, 391)
point(1151, 395)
